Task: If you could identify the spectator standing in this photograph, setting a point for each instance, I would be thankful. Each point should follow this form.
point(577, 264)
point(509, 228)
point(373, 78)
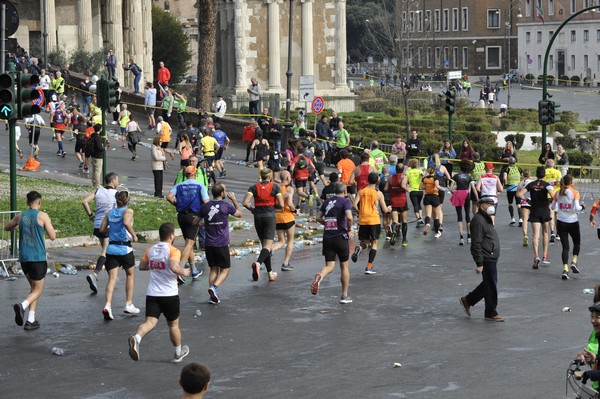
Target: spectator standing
point(562, 159)
point(150, 104)
point(253, 96)
point(546, 154)
point(466, 150)
point(159, 160)
point(447, 153)
point(137, 75)
point(324, 132)
point(111, 63)
point(413, 145)
point(399, 149)
point(220, 109)
point(86, 95)
point(264, 122)
point(163, 74)
point(275, 133)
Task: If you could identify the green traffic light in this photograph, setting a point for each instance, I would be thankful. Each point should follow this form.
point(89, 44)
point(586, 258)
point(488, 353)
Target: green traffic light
point(7, 96)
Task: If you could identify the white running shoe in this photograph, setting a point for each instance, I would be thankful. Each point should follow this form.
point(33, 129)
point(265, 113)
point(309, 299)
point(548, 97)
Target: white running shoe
point(131, 309)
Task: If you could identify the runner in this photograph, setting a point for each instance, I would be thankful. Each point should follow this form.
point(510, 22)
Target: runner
point(261, 145)
point(119, 252)
point(369, 220)
point(524, 206)
point(431, 186)
point(123, 120)
point(301, 167)
point(188, 197)
point(335, 215)
point(444, 177)
point(32, 255)
point(34, 125)
point(223, 142)
point(209, 148)
point(81, 129)
point(133, 136)
point(593, 214)
point(329, 190)
point(382, 186)
point(539, 215)
point(360, 174)
point(266, 195)
point(489, 185)
point(461, 187)
point(60, 120)
point(477, 170)
point(285, 220)
point(553, 177)
point(414, 176)
point(216, 221)
point(105, 201)
point(162, 295)
point(345, 168)
point(511, 177)
point(566, 204)
point(378, 156)
point(397, 187)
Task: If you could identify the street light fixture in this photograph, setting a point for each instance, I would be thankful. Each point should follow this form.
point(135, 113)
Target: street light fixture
point(509, 25)
point(287, 126)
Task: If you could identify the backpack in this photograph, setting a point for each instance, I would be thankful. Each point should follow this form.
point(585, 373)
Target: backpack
point(249, 133)
point(301, 169)
point(301, 164)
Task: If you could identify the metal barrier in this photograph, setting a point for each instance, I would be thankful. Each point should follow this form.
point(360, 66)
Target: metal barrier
point(7, 240)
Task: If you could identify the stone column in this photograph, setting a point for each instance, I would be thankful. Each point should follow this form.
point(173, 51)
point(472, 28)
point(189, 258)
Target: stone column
point(84, 24)
point(241, 45)
point(49, 14)
point(230, 81)
point(340, 44)
point(146, 50)
point(274, 33)
point(222, 43)
point(114, 32)
point(97, 40)
point(307, 37)
point(136, 38)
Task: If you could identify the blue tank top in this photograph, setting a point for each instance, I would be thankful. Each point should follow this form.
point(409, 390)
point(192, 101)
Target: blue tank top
point(32, 247)
point(117, 232)
point(220, 136)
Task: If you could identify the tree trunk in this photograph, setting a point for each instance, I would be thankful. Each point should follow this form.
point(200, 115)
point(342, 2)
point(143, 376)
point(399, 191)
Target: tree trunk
point(207, 35)
point(406, 114)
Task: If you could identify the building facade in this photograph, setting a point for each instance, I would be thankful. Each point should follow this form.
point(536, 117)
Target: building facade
point(575, 54)
point(125, 26)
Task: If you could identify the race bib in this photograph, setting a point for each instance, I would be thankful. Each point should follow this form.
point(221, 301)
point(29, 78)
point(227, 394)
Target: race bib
point(157, 265)
point(331, 224)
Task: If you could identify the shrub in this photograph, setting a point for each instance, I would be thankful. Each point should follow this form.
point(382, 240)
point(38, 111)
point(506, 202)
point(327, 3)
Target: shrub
point(536, 141)
point(419, 105)
point(580, 158)
point(569, 117)
point(373, 105)
point(550, 79)
point(530, 77)
point(563, 127)
point(567, 142)
point(595, 122)
point(57, 59)
point(394, 112)
point(505, 123)
point(87, 63)
point(516, 139)
point(575, 80)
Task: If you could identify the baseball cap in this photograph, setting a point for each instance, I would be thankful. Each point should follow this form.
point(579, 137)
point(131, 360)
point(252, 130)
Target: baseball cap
point(486, 200)
point(489, 165)
point(190, 170)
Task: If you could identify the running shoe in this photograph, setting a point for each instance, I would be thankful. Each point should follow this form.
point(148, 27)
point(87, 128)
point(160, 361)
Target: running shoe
point(180, 280)
point(273, 276)
point(197, 273)
point(545, 261)
point(420, 222)
point(370, 270)
point(355, 254)
point(393, 237)
point(19, 314)
point(134, 348)
point(552, 238)
point(345, 299)
point(314, 287)
point(63, 154)
point(495, 318)
point(525, 241)
point(461, 242)
point(404, 243)
point(29, 326)
point(131, 309)
point(80, 165)
point(287, 268)
point(86, 170)
point(536, 263)
point(107, 312)
point(565, 275)
point(438, 234)
point(255, 271)
point(520, 222)
point(512, 222)
point(214, 295)
point(93, 282)
point(36, 152)
point(426, 229)
point(469, 239)
point(58, 153)
point(310, 200)
point(465, 305)
point(185, 350)
point(224, 172)
point(574, 268)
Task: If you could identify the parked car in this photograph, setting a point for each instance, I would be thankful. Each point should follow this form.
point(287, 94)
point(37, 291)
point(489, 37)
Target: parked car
point(191, 79)
point(513, 76)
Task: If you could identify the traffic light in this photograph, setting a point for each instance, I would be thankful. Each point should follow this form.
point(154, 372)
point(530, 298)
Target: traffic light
point(101, 90)
point(450, 101)
point(543, 112)
point(7, 96)
point(552, 114)
point(27, 94)
point(114, 96)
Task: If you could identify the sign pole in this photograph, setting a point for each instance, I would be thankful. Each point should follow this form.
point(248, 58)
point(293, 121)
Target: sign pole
point(3, 38)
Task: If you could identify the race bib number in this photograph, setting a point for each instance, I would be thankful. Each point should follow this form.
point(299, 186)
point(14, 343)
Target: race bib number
point(157, 265)
point(331, 224)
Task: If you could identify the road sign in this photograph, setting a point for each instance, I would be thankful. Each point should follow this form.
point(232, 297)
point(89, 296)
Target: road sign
point(306, 88)
point(40, 100)
point(318, 105)
point(12, 17)
point(454, 75)
point(5, 112)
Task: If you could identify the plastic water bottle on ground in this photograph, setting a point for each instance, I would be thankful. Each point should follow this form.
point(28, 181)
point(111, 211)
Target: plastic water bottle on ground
point(68, 269)
point(58, 351)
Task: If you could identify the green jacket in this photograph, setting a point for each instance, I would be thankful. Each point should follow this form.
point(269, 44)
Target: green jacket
point(200, 177)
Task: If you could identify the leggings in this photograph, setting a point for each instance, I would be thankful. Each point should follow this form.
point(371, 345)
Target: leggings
point(467, 207)
point(415, 199)
point(564, 231)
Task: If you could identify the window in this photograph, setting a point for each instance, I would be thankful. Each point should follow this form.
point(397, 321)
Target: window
point(585, 62)
point(411, 61)
point(465, 19)
point(428, 20)
point(539, 61)
point(436, 21)
point(550, 33)
point(550, 7)
point(411, 22)
point(573, 6)
point(419, 21)
point(528, 8)
point(446, 57)
point(586, 4)
point(586, 36)
point(493, 57)
point(573, 36)
point(420, 56)
point(493, 19)
point(551, 62)
point(465, 57)
point(404, 21)
point(446, 20)
point(527, 37)
point(437, 57)
point(455, 57)
point(455, 19)
point(573, 62)
point(539, 36)
point(598, 62)
point(428, 57)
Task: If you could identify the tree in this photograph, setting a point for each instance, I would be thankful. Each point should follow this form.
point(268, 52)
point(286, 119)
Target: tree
point(170, 44)
point(207, 43)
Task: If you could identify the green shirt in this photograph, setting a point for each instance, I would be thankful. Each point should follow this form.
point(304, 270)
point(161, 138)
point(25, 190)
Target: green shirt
point(379, 158)
point(342, 138)
point(200, 177)
point(478, 170)
point(414, 178)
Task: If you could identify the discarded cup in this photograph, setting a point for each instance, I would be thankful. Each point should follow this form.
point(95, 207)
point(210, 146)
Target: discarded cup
point(588, 290)
point(396, 365)
point(566, 309)
point(198, 313)
point(58, 351)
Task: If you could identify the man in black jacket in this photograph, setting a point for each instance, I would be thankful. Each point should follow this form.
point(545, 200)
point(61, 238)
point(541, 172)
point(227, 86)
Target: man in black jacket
point(485, 249)
point(97, 152)
point(413, 145)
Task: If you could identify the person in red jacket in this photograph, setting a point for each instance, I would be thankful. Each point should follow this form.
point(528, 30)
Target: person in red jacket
point(163, 74)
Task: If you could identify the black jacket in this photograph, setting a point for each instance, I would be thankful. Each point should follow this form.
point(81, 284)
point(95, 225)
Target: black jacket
point(97, 146)
point(485, 244)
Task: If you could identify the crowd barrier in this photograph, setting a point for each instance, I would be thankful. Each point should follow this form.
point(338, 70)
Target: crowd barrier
point(6, 238)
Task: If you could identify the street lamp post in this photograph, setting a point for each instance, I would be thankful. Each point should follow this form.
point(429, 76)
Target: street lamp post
point(509, 25)
point(287, 126)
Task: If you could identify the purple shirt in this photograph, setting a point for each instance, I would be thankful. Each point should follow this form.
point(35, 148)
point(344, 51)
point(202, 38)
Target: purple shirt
point(334, 213)
point(216, 222)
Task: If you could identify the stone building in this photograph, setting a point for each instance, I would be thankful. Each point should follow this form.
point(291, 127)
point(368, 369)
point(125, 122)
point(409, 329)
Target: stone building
point(122, 25)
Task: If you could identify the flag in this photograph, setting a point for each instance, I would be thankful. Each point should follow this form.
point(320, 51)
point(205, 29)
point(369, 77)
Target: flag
point(540, 11)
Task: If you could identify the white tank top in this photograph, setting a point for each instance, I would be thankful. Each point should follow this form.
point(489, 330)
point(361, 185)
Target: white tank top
point(489, 186)
point(105, 201)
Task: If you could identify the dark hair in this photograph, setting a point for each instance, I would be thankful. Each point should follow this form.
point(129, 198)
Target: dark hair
point(97, 127)
point(165, 230)
point(566, 181)
point(217, 190)
point(430, 151)
point(465, 165)
point(122, 198)
point(540, 172)
point(110, 176)
point(364, 156)
point(33, 196)
point(344, 154)
point(597, 293)
point(373, 177)
point(194, 377)
point(217, 126)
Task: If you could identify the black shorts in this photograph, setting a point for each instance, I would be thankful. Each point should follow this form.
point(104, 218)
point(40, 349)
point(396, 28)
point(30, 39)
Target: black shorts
point(186, 223)
point(473, 196)
point(336, 246)
point(100, 235)
point(300, 183)
point(218, 257)
point(274, 166)
point(351, 189)
point(539, 214)
point(369, 232)
point(79, 147)
point(285, 226)
point(219, 154)
point(127, 261)
point(265, 227)
point(35, 270)
point(209, 160)
point(320, 167)
point(400, 209)
point(167, 305)
point(150, 111)
point(431, 199)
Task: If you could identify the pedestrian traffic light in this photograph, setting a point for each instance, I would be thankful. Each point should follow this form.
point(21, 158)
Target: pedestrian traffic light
point(7, 96)
point(27, 94)
point(450, 101)
point(113, 94)
point(552, 113)
point(543, 112)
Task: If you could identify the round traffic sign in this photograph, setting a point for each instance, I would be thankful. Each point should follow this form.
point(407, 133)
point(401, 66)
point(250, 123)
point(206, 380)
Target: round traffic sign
point(12, 17)
point(318, 105)
point(39, 100)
